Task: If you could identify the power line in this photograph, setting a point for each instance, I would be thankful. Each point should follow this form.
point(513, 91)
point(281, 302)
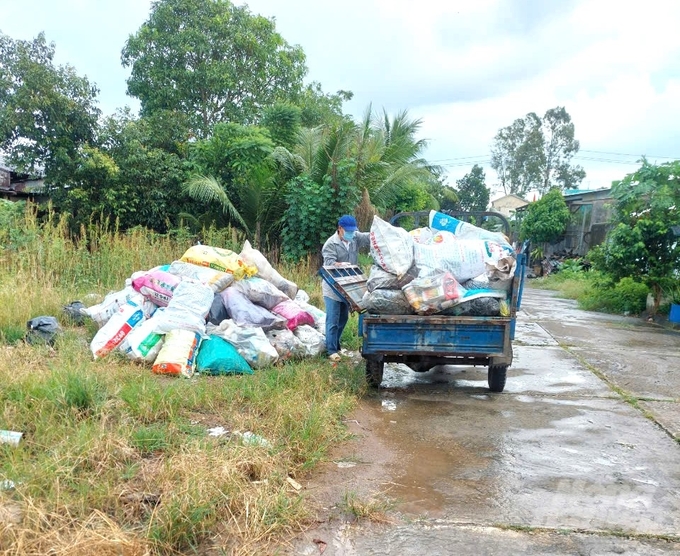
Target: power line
point(458, 164)
point(576, 158)
point(458, 161)
point(625, 154)
point(606, 160)
point(481, 156)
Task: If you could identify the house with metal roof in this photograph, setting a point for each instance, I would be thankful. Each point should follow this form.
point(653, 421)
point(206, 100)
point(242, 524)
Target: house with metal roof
point(591, 220)
point(16, 186)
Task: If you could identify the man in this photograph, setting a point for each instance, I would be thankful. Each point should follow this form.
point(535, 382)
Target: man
point(341, 247)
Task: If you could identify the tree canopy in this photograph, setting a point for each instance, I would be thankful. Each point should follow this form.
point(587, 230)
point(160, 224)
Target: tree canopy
point(536, 153)
point(473, 194)
point(47, 112)
point(212, 60)
point(227, 135)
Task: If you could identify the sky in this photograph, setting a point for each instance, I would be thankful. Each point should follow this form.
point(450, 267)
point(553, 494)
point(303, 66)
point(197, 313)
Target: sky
point(464, 68)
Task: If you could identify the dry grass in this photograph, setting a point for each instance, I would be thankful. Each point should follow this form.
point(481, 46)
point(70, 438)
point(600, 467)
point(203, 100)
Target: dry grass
point(373, 509)
point(115, 460)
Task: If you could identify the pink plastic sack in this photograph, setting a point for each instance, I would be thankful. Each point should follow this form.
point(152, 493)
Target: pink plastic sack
point(157, 285)
point(292, 312)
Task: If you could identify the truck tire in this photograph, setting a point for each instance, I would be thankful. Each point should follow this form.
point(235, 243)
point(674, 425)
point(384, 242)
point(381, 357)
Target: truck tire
point(496, 377)
point(374, 372)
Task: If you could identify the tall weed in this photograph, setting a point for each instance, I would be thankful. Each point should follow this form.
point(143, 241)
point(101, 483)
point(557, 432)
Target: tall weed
point(115, 460)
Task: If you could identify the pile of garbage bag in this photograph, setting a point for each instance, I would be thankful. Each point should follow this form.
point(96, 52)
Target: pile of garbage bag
point(449, 267)
point(213, 311)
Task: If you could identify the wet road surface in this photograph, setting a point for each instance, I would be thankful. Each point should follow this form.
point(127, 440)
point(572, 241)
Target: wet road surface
point(576, 456)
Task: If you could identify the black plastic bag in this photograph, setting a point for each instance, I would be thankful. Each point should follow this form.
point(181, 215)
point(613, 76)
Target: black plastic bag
point(218, 312)
point(73, 312)
point(42, 330)
point(480, 307)
point(387, 302)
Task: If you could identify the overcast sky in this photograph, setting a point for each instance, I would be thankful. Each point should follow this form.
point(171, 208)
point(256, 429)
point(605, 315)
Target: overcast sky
point(465, 68)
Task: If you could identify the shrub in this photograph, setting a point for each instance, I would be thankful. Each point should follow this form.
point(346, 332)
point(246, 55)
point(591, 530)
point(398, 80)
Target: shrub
point(626, 297)
point(546, 219)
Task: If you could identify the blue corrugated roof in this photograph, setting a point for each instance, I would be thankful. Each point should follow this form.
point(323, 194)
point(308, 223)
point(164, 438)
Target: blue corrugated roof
point(568, 192)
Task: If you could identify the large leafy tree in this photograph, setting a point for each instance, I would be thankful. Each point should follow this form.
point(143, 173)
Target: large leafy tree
point(536, 153)
point(212, 60)
point(559, 147)
point(473, 194)
point(319, 108)
point(516, 155)
point(47, 112)
point(150, 156)
point(134, 175)
point(644, 243)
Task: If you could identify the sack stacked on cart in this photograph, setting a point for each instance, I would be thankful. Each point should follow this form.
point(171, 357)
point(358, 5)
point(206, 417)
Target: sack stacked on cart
point(430, 270)
point(499, 270)
point(437, 250)
point(210, 297)
point(392, 251)
point(482, 261)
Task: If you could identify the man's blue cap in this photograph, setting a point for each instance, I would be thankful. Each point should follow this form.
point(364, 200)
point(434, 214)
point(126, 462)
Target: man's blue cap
point(348, 222)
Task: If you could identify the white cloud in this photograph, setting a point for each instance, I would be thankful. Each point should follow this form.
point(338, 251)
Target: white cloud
point(88, 35)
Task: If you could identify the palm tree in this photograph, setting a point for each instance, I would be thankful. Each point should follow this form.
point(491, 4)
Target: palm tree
point(260, 200)
point(389, 157)
point(379, 157)
point(385, 152)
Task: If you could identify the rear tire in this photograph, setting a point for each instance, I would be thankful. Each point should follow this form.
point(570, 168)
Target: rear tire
point(374, 372)
point(496, 377)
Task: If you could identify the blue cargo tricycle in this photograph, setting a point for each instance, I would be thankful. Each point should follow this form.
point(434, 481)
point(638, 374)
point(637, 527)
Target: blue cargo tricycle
point(422, 342)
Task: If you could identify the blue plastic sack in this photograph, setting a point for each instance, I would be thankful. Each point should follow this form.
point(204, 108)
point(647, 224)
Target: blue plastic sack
point(446, 222)
point(218, 357)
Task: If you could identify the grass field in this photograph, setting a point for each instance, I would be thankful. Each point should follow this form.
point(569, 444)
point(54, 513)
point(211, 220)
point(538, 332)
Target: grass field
point(116, 460)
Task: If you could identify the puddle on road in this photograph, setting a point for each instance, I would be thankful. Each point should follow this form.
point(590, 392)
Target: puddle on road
point(464, 453)
point(435, 468)
point(430, 476)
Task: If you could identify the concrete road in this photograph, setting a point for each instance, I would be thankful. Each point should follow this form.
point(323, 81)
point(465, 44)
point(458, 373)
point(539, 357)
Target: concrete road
point(579, 454)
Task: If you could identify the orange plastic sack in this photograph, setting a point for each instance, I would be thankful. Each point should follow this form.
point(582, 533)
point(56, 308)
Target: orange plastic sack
point(178, 354)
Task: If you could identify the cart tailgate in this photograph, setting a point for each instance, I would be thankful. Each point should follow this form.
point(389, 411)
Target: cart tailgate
point(435, 335)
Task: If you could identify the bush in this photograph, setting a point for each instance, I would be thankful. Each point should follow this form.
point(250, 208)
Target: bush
point(595, 291)
point(626, 297)
point(546, 219)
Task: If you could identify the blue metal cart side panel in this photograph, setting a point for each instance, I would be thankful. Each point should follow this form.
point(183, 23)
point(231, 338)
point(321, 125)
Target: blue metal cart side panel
point(478, 336)
point(521, 272)
point(517, 290)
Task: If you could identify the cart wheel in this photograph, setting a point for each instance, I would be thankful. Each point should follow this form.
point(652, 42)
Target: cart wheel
point(497, 377)
point(374, 372)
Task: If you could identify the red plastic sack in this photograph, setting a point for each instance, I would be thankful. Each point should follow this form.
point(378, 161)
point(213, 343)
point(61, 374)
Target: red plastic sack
point(292, 312)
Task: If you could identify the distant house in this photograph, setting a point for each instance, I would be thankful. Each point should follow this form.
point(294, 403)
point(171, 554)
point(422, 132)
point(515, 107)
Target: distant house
point(508, 204)
point(590, 222)
point(20, 187)
point(4, 177)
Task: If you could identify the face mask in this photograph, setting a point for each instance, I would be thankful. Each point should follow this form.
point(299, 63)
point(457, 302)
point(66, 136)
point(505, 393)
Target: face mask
point(349, 236)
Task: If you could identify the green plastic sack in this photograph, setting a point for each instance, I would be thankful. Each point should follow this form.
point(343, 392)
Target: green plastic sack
point(218, 357)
